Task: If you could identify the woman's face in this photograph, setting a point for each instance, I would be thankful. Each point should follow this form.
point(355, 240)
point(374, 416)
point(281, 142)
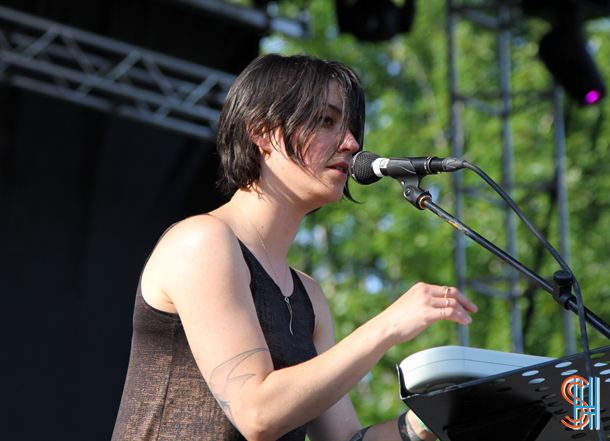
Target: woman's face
point(321, 178)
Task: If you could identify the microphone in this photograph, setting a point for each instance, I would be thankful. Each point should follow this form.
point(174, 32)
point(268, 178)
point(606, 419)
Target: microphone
point(367, 167)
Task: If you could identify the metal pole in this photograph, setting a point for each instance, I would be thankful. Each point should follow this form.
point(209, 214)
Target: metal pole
point(508, 167)
point(562, 203)
point(457, 146)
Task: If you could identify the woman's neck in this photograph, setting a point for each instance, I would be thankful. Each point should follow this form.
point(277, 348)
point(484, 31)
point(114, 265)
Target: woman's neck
point(275, 222)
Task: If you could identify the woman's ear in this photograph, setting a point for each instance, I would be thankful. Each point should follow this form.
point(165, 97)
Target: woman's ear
point(263, 139)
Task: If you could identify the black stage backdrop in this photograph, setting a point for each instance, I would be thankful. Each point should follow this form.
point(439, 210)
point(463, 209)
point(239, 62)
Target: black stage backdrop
point(84, 197)
point(83, 200)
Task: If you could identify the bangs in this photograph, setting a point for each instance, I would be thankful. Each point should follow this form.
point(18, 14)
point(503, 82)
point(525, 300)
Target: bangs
point(352, 111)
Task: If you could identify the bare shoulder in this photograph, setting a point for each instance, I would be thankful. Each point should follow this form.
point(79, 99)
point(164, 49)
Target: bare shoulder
point(196, 232)
point(200, 249)
point(196, 241)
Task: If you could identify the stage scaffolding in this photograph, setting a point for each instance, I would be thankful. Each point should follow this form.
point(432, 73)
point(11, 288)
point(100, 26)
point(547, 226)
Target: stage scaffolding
point(114, 77)
point(498, 16)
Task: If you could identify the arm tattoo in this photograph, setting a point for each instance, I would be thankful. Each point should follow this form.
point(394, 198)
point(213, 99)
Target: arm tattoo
point(405, 429)
point(360, 435)
point(225, 382)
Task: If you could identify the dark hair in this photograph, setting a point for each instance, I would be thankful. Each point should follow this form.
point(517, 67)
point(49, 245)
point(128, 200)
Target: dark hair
point(290, 93)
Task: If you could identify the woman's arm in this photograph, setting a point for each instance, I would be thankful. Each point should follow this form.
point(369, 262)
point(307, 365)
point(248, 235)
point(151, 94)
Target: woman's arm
point(199, 267)
point(341, 422)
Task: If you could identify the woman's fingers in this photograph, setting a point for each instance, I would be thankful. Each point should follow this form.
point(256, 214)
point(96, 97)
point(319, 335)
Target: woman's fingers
point(455, 312)
point(453, 305)
point(425, 304)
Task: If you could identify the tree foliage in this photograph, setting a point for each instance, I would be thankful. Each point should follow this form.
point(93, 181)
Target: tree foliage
point(366, 255)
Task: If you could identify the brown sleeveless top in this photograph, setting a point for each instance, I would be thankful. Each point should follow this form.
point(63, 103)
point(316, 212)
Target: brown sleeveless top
point(165, 396)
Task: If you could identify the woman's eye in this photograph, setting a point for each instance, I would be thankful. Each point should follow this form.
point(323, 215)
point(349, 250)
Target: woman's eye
point(327, 121)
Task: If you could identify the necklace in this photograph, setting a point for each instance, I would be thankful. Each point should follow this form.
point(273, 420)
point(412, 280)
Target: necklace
point(260, 238)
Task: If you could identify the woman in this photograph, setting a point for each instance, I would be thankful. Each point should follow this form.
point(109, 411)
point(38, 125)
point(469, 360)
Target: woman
point(229, 342)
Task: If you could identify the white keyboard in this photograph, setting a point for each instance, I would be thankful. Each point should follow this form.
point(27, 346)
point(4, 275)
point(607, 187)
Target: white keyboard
point(437, 368)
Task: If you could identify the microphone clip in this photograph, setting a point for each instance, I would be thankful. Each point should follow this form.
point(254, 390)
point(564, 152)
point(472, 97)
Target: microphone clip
point(412, 192)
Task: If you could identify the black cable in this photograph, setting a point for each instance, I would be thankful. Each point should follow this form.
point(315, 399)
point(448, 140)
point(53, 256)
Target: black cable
point(558, 258)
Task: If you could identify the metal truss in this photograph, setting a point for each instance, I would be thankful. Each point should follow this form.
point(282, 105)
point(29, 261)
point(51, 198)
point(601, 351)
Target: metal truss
point(110, 76)
point(495, 15)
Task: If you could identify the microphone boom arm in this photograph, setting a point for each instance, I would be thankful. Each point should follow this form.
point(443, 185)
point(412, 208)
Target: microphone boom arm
point(561, 289)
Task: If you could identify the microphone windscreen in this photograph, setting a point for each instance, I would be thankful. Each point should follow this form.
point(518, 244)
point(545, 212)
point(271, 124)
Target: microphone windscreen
point(361, 168)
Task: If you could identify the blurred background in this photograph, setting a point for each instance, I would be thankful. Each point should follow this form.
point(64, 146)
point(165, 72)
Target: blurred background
point(107, 126)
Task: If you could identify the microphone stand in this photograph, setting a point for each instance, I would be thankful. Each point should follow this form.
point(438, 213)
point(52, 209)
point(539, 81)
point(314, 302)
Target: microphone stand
point(506, 421)
point(561, 289)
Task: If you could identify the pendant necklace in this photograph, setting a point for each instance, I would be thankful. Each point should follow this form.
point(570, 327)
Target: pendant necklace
point(260, 238)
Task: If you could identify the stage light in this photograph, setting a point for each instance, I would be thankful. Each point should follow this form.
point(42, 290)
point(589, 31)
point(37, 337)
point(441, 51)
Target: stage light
point(564, 49)
point(375, 20)
point(592, 96)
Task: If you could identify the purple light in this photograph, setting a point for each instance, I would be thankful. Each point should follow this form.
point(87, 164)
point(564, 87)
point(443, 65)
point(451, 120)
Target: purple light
point(592, 96)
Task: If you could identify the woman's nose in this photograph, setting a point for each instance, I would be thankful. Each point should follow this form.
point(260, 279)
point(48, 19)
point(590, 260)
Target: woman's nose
point(349, 143)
